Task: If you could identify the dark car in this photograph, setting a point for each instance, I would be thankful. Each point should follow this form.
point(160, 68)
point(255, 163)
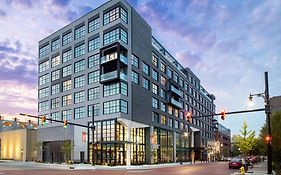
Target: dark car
point(235, 163)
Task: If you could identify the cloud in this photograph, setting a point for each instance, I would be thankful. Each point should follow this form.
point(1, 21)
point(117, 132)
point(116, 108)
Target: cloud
point(21, 3)
point(61, 3)
point(2, 13)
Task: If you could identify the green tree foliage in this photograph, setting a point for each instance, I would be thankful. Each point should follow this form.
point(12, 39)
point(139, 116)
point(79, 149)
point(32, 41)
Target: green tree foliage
point(276, 138)
point(66, 149)
point(246, 140)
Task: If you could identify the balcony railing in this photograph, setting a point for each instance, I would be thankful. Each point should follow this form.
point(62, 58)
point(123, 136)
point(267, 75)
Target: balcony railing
point(176, 91)
point(109, 76)
point(176, 103)
point(106, 59)
point(123, 76)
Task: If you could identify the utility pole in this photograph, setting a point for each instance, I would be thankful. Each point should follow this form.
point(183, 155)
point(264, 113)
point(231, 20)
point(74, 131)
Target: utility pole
point(93, 134)
point(267, 112)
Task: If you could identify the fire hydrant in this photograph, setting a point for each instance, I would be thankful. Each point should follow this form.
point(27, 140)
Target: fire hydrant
point(242, 170)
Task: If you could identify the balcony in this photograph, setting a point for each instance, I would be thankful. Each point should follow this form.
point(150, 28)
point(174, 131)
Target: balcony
point(106, 59)
point(109, 76)
point(176, 103)
point(176, 91)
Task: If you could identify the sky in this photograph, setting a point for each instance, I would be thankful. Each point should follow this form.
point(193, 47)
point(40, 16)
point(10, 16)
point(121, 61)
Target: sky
point(227, 44)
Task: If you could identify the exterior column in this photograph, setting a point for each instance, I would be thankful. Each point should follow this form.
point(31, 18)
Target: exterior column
point(174, 147)
point(150, 146)
point(128, 151)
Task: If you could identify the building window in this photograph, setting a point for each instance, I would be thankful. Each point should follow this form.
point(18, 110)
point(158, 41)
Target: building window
point(163, 120)
point(124, 106)
point(44, 66)
point(176, 77)
point(163, 106)
point(79, 66)
point(67, 70)
point(114, 106)
point(135, 61)
point(93, 60)
point(163, 80)
point(79, 81)
point(66, 100)
point(79, 112)
point(96, 110)
point(145, 68)
point(170, 110)
point(115, 14)
point(110, 16)
point(154, 89)
point(93, 93)
point(55, 75)
point(79, 97)
point(124, 15)
point(155, 75)
point(55, 61)
point(176, 124)
point(163, 93)
point(79, 50)
point(94, 44)
point(170, 73)
point(66, 114)
point(170, 122)
point(80, 32)
point(176, 112)
point(111, 89)
point(94, 25)
point(155, 117)
point(66, 39)
point(124, 89)
point(115, 35)
point(55, 103)
point(124, 36)
point(43, 51)
point(66, 85)
point(42, 93)
point(154, 60)
point(55, 44)
point(145, 83)
point(135, 77)
point(55, 116)
point(66, 56)
point(43, 106)
point(93, 77)
point(163, 67)
point(55, 89)
point(155, 103)
point(44, 79)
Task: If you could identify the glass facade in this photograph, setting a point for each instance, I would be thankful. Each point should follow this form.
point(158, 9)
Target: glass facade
point(111, 143)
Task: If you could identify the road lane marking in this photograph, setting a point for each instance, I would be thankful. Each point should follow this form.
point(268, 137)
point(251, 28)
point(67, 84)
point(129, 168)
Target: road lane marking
point(138, 171)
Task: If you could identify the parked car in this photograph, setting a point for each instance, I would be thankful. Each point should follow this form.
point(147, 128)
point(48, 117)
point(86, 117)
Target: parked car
point(235, 163)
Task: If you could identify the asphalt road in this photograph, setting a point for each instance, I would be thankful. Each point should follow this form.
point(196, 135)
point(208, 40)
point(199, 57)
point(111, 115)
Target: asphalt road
point(216, 168)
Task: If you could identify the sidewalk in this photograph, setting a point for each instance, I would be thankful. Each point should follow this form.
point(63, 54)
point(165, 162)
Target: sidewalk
point(258, 169)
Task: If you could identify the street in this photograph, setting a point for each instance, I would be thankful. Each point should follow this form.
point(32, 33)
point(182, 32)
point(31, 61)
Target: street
point(216, 168)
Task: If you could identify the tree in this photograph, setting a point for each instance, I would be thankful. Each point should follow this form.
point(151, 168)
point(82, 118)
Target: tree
point(66, 149)
point(246, 141)
point(276, 138)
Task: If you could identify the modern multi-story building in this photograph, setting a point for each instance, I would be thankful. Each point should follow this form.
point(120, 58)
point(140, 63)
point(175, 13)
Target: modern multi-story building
point(275, 104)
point(108, 65)
point(223, 141)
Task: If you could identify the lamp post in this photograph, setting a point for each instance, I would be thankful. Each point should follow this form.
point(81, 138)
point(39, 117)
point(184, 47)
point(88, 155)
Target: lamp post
point(265, 96)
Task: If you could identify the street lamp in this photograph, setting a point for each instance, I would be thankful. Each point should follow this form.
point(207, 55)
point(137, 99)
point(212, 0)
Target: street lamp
point(265, 96)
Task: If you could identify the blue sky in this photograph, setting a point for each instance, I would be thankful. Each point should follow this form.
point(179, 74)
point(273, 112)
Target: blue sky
point(227, 44)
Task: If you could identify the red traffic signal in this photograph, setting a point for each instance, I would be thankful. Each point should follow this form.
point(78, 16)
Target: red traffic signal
point(223, 114)
point(268, 138)
point(65, 124)
point(189, 117)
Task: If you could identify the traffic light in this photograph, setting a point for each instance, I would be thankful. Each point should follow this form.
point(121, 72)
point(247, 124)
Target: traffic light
point(268, 138)
point(189, 117)
point(223, 114)
point(43, 120)
point(65, 124)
